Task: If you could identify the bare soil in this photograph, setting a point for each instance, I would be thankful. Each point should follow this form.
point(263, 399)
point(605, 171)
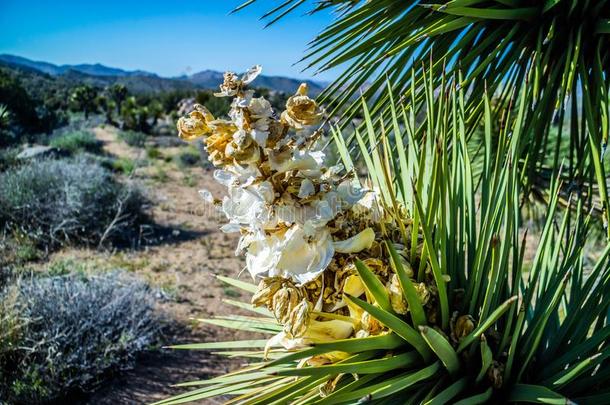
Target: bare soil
point(180, 252)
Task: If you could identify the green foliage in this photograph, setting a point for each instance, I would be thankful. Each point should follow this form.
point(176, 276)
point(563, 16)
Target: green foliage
point(134, 116)
point(153, 153)
point(84, 98)
point(555, 53)
point(497, 333)
point(67, 201)
point(27, 114)
point(108, 106)
point(66, 334)
point(160, 175)
point(118, 94)
point(133, 138)
point(76, 142)
point(124, 165)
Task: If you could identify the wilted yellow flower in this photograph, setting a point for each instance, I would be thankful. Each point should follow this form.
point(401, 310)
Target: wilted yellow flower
point(301, 111)
point(242, 149)
point(327, 358)
point(266, 290)
point(361, 241)
point(463, 326)
point(495, 374)
point(196, 124)
point(298, 319)
point(423, 293)
point(397, 298)
point(230, 85)
point(370, 324)
point(216, 143)
point(284, 301)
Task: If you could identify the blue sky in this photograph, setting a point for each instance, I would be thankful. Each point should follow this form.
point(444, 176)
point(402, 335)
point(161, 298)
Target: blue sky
point(165, 37)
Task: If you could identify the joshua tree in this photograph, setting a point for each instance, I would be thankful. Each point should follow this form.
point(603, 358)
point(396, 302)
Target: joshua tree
point(155, 111)
point(84, 99)
point(118, 93)
point(135, 116)
point(108, 106)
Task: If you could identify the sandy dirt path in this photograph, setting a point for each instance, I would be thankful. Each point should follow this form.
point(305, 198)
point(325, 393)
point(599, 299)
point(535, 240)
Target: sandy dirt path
point(181, 252)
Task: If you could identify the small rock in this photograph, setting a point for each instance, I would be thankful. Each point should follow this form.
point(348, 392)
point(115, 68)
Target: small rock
point(40, 152)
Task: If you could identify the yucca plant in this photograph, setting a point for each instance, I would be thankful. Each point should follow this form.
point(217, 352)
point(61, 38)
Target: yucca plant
point(558, 50)
point(468, 320)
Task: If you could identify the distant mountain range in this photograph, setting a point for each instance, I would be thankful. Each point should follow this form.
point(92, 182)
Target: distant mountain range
point(139, 81)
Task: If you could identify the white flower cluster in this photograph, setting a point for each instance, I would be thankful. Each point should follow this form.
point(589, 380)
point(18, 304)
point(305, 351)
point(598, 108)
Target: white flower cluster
point(282, 197)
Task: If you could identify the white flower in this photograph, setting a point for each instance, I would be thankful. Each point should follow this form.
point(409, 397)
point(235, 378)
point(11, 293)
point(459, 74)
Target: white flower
point(260, 108)
point(292, 254)
point(297, 160)
point(237, 175)
point(251, 74)
point(307, 189)
point(263, 256)
point(207, 196)
point(304, 257)
point(260, 113)
point(248, 205)
point(350, 191)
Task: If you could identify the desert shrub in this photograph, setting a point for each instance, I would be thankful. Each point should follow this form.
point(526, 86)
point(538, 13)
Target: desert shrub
point(8, 158)
point(124, 165)
point(153, 153)
point(77, 141)
point(189, 157)
point(59, 201)
point(66, 334)
point(133, 138)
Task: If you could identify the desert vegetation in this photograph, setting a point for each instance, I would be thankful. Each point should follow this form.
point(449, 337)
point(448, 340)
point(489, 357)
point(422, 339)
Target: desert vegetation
point(64, 334)
point(431, 228)
point(401, 274)
point(93, 182)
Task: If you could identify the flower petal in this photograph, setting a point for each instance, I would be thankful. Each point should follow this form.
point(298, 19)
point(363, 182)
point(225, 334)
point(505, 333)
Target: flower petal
point(251, 74)
point(356, 243)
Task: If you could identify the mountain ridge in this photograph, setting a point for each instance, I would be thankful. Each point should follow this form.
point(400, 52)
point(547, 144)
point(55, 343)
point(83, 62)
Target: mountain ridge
point(97, 73)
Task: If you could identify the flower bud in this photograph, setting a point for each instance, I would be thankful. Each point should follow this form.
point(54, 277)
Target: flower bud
point(284, 300)
point(298, 319)
point(266, 290)
point(495, 374)
point(463, 326)
point(397, 299)
point(422, 292)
